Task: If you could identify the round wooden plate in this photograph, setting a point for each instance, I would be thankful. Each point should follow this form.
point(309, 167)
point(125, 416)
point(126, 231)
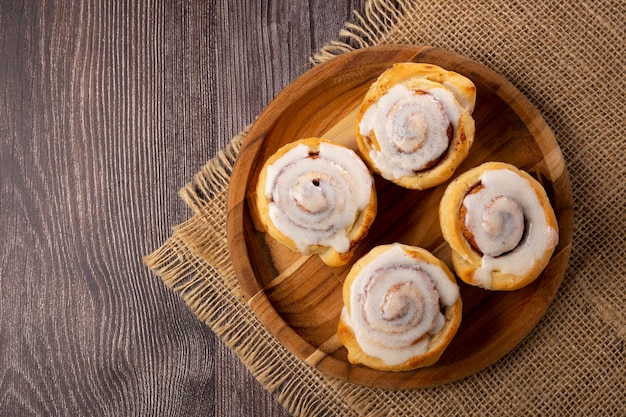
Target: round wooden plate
point(298, 298)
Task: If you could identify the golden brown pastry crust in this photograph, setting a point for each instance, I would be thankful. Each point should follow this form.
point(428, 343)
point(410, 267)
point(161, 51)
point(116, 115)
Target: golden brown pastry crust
point(437, 343)
point(465, 258)
point(422, 77)
point(356, 231)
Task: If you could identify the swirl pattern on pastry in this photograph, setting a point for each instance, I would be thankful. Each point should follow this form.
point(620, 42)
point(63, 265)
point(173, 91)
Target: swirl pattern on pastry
point(316, 196)
point(414, 126)
point(500, 225)
point(401, 309)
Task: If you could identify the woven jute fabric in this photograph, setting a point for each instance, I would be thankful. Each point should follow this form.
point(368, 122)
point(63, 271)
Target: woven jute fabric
point(568, 58)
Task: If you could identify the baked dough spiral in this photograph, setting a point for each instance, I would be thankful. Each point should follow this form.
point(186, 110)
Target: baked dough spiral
point(315, 196)
point(500, 226)
point(402, 307)
point(414, 126)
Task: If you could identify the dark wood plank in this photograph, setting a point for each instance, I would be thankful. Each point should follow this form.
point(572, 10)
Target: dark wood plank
point(106, 110)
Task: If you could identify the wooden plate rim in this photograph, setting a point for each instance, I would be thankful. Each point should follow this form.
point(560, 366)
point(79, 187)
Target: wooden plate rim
point(238, 215)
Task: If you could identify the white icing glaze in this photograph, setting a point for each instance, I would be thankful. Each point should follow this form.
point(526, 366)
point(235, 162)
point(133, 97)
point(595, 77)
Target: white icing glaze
point(496, 221)
point(316, 200)
point(523, 233)
point(411, 128)
point(396, 305)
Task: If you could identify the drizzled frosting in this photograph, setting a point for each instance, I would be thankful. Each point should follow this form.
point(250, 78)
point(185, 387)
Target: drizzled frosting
point(316, 195)
point(396, 304)
point(413, 128)
point(508, 224)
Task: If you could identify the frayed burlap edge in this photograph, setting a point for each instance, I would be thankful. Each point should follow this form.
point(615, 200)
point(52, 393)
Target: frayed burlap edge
point(368, 29)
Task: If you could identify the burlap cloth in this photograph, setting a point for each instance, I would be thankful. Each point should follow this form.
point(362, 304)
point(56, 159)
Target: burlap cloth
point(568, 58)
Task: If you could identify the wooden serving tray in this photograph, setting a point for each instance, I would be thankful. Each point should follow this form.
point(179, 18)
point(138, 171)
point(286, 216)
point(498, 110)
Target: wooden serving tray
point(298, 298)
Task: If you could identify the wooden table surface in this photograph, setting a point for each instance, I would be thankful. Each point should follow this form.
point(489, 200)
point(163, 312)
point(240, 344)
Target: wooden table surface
point(106, 110)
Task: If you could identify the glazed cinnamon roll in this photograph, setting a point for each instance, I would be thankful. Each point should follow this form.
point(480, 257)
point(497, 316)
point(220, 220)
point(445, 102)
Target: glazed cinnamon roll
point(402, 307)
point(415, 125)
point(317, 197)
point(500, 226)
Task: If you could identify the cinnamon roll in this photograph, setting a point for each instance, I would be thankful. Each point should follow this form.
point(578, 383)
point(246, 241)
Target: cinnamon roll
point(500, 226)
point(317, 197)
point(402, 307)
point(415, 125)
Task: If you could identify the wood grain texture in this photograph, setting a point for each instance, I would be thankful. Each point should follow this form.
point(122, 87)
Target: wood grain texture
point(106, 110)
point(298, 298)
